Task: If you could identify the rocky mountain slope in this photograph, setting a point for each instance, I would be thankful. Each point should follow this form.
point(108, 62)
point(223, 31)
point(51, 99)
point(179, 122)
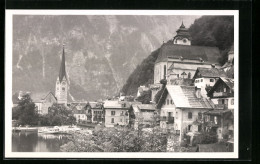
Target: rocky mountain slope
point(101, 51)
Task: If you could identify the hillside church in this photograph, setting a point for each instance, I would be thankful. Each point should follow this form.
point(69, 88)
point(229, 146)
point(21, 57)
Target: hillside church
point(179, 60)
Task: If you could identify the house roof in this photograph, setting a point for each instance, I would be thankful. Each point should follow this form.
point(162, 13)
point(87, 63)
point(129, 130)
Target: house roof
point(217, 111)
point(207, 54)
point(146, 107)
point(184, 97)
point(40, 97)
point(116, 104)
point(212, 147)
point(228, 81)
point(209, 72)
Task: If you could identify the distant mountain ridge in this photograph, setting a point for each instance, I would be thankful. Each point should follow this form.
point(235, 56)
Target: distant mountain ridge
point(101, 51)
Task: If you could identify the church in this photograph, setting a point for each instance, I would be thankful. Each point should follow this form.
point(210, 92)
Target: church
point(61, 89)
point(178, 59)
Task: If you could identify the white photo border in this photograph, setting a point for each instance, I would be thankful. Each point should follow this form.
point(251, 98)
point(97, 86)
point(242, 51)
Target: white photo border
point(8, 86)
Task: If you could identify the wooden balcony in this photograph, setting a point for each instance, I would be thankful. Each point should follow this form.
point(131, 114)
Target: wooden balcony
point(220, 94)
point(221, 106)
point(170, 120)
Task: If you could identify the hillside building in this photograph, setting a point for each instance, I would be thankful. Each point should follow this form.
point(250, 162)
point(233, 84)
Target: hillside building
point(205, 78)
point(178, 58)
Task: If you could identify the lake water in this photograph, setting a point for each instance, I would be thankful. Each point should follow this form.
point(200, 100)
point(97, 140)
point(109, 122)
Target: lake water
point(37, 142)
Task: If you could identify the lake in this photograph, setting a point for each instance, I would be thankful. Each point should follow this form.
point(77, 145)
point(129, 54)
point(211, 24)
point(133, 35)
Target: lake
point(37, 142)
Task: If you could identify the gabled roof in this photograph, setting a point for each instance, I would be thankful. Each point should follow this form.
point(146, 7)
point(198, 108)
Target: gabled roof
point(207, 54)
point(146, 107)
point(184, 97)
point(209, 72)
point(40, 97)
point(116, 104)
point(228, 81)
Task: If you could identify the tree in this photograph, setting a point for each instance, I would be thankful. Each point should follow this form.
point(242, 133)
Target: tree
point(159, 93)
point(25, 112)
point(58, 115)
point(145, 97)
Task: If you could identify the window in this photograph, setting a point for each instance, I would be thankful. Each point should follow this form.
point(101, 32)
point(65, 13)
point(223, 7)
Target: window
point(121, 120)
point(189, 127)
point(167, 101)
point(63, 83)
point(189, 115)
point(112, 120)
point(211, 80)
point(58, 88)
point(171, 102)
point(199, 116)
point(122, 113)
point(113, 113)
point(177, 75)
point(201, 80)
point(232, 101)
point(63, 89)
point(215, 119)
point(176, 115)
point(184, 40)
point(189, 75)
point(225, 89)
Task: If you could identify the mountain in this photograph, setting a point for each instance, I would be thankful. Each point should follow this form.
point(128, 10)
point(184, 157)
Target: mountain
point(205, 31)
point(101, 51)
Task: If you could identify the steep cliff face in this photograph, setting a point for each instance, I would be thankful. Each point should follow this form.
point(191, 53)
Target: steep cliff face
point(101, 51)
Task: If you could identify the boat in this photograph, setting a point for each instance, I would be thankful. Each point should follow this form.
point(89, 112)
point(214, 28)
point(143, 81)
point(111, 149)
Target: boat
point(25, 129)
point(54, 130)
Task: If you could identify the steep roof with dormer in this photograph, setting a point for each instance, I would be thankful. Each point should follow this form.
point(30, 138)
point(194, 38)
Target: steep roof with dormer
point(207, 54)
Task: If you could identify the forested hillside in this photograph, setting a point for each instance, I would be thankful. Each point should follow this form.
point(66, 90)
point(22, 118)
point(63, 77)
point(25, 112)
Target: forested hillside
point(205, 31)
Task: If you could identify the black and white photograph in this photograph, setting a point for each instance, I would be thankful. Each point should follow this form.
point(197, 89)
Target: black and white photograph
point(121, 84)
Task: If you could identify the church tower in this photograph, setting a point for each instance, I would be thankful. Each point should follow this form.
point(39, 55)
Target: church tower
point(183, 36)
point(61, 91)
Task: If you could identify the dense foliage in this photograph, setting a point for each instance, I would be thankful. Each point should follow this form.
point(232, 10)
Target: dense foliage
point(145, 97)
point(159, 93)
point(57, 115)
point(214, 31)
point(25, 112)
point(142, 75)
point(206, 31)
point(118, 139)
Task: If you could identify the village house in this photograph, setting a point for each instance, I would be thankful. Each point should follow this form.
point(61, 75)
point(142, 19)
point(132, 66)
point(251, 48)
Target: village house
point(116, 113)
point(43, 102)
point(222, 117)
point(179, 59)
point(180, 107)
point(205, 78)
point(95, 112)
point(79, 110)
point(144, 114)
point(222, 93)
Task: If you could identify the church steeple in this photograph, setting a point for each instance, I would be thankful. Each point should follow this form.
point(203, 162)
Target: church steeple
point(61, 91)
point(62, 66)
point(183, 36)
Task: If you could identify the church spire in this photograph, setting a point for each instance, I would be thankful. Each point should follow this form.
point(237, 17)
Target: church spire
point(62, 67)
point(182, 25)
